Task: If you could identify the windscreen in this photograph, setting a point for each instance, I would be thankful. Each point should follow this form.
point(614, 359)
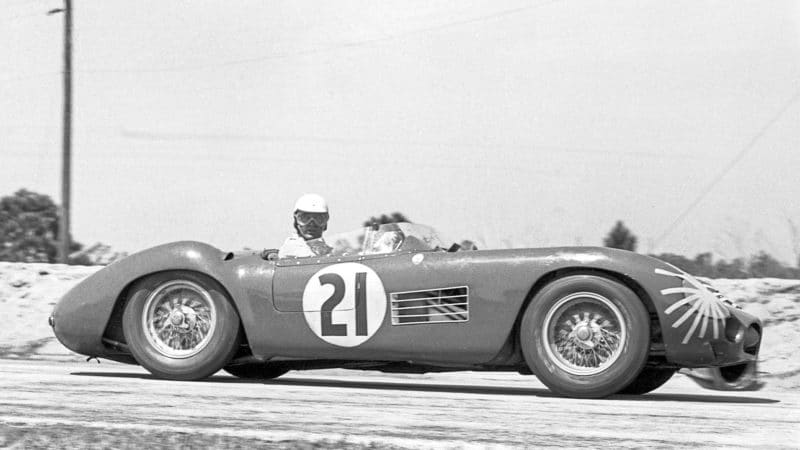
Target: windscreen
point(386, 238)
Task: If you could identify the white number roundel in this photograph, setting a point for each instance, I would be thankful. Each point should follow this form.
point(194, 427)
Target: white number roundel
point(344, 304)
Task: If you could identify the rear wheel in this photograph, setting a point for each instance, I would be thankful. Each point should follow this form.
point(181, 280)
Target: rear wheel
point(585, 336)
point(180, 325)
point(648, 380)
point(256, 371)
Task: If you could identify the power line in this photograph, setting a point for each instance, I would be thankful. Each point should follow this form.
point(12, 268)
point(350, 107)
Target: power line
point(231, 137)
point(29, 77)
point(345, 45)
point(22, 2)
point(747, 147)
point(8, 19)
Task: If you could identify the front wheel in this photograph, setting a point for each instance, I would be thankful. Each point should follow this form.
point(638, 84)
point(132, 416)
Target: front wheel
point(180, 325)
point(585, 336)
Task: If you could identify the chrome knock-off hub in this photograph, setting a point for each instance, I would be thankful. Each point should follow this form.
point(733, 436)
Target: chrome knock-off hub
point(582, 334)
point(585, 333)
point(184, 319)
point(179, 318)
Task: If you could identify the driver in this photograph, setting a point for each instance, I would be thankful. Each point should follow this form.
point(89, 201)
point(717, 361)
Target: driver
point(310, 221)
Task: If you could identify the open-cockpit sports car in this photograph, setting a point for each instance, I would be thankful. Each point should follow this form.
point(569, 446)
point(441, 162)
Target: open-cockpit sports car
point(587, 321)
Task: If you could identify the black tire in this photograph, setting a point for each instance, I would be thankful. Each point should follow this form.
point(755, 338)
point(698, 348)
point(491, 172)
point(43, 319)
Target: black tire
point(198, 327)
point(649, 379)
point(596, 355)
point(256, 371)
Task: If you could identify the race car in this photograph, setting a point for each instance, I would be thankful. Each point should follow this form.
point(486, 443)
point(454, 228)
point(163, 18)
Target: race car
point(587, 321)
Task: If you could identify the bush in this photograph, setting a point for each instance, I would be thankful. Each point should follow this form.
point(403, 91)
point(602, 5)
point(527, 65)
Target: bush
point(764, 265)
point(29, 228)
point(761, 265)
point(383, 219)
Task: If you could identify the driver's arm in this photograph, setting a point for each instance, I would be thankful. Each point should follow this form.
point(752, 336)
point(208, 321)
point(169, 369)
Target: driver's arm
point(295, 247)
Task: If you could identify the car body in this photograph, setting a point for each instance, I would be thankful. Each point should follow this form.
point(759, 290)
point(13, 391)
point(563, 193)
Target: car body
point(392, 298)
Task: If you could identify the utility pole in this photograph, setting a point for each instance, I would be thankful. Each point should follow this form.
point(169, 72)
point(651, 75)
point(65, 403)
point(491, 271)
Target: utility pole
point(66, 156)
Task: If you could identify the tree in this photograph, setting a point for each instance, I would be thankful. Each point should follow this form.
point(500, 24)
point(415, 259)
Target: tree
point(29, 228)
point(620, 237)
point(734, 269)
point(395, 217)
point(705, 264)
point(764, 265)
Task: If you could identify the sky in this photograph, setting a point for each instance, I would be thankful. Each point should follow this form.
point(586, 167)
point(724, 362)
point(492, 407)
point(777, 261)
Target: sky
point(513, 124)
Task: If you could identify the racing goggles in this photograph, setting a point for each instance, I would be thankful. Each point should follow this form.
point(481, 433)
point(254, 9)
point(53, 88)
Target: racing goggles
point(306, 218)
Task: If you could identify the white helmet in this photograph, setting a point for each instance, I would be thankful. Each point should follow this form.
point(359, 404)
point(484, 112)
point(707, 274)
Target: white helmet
point(312, 203)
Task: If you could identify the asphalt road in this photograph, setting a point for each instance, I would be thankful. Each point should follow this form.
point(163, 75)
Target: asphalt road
point(44, 403)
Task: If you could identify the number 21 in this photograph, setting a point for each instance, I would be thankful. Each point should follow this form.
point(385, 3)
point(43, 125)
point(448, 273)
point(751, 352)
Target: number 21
point(340, 329)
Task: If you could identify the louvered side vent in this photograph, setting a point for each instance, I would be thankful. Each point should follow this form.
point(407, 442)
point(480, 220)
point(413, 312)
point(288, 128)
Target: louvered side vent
point(432, 306)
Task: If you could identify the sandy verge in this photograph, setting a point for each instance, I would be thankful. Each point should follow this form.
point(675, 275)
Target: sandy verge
point(28, 293)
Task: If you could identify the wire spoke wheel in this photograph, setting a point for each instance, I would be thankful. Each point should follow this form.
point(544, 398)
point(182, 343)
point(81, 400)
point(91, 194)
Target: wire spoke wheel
point(181, 325)
point(179, 319)
point(585, 333)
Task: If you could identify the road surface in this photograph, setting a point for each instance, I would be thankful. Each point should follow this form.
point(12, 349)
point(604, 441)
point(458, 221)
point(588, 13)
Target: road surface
point(67, 404)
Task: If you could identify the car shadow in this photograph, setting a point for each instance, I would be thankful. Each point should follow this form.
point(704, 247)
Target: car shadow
point(445, 388)
point(700, 398)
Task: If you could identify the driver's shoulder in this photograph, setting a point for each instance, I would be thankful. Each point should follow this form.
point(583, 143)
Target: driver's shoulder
point(294, 246)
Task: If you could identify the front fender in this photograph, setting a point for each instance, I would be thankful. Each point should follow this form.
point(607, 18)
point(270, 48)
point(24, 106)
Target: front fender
point(80, 317)
point(685, 342)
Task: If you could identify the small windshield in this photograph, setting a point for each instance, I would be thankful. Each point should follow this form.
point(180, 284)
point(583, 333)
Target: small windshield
point(387, 238)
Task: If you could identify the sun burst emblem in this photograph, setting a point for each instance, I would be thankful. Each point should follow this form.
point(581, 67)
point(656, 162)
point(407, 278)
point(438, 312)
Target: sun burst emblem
point(704, 303)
